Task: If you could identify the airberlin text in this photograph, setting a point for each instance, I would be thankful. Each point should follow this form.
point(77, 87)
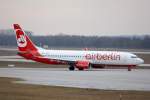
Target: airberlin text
point(112, 56)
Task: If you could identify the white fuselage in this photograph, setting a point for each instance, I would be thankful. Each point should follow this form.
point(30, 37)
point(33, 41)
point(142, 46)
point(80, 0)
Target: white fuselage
point(93, 57)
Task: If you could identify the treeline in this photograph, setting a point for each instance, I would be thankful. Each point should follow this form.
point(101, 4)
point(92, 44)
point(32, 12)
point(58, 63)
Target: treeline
point(141, 42)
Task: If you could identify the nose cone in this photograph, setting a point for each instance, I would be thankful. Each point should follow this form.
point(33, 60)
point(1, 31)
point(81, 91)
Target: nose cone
point(140, 61)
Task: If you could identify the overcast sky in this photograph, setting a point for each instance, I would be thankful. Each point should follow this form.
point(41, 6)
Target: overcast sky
point(83, 17)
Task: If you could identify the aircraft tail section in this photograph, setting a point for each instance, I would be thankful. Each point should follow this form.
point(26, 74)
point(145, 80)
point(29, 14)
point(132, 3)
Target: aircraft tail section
point(23, 41)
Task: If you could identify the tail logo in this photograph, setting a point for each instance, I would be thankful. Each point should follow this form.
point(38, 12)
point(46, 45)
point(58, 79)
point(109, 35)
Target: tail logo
point(21, 41)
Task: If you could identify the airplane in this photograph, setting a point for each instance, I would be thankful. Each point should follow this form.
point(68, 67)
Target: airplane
point(74, 58)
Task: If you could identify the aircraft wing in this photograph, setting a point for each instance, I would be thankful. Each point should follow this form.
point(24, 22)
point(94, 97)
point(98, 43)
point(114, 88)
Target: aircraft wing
point(78, 63)
point(61, 60)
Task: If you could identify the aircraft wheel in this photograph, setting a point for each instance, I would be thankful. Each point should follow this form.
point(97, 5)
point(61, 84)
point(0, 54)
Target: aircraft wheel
point(71, 68)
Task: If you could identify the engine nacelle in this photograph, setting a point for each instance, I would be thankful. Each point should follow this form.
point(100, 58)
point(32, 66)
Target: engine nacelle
point(82, 65)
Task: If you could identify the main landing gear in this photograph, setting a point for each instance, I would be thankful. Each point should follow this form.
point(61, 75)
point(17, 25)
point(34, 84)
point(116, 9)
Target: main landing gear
point(71, 68)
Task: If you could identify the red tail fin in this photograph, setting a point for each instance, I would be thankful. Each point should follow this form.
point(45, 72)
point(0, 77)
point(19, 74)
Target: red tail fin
point(23, 41)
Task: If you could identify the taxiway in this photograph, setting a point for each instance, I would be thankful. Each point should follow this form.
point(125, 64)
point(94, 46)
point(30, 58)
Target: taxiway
point(107, 79)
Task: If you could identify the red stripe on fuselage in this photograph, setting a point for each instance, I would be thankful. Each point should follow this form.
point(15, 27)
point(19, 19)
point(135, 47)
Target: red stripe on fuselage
point(40, 59)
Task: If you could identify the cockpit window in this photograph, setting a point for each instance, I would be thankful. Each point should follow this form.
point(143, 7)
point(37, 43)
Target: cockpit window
point(133, 56)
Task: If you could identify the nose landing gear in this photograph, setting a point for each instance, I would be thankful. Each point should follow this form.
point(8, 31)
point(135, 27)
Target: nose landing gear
point(129, 68)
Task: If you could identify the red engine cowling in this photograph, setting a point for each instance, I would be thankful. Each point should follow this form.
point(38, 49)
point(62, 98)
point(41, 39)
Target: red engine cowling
point(82, 65)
